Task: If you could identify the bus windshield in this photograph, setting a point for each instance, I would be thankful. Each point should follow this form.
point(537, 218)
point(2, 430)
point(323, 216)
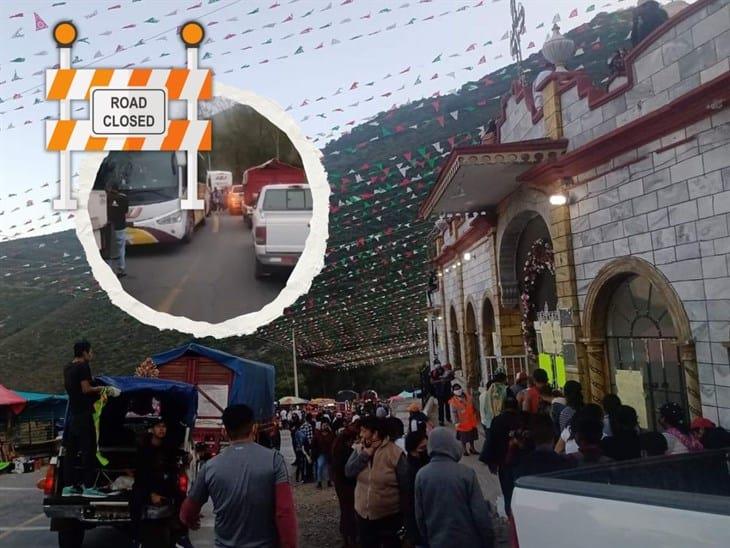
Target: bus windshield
point(287, 199)
point(145, 177)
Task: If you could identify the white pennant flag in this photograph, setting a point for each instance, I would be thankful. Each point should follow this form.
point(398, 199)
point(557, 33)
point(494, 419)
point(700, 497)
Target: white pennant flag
point(454, 114)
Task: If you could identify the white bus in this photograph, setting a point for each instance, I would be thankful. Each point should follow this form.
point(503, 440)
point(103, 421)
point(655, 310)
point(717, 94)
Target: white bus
point(154, 183)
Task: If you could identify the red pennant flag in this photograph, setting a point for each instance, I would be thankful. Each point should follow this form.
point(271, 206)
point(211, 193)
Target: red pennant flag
point(388, 94)
point(320, 46)
point(573, 13)
point(290, 18)
point(436, 105)
point(435, 76)
point(15, 15)
point(350, 123)
point(114, 7)
point(130, 26)
point(354, 85)
point(531, 45)
point(482, 60)
point(405, 70)
point(400, 128)
point(471, 48)
point(40, 24)
point(194, 6)
point(274, 5)
point(451, 141)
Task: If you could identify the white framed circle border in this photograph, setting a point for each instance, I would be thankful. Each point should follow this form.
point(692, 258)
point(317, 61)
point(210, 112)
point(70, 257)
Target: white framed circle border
point(309, 265)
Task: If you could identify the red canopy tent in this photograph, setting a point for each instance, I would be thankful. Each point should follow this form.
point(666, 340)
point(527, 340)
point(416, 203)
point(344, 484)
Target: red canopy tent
point(15, 402)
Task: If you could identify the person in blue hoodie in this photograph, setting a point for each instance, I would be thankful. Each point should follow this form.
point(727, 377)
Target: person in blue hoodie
point(450, 507)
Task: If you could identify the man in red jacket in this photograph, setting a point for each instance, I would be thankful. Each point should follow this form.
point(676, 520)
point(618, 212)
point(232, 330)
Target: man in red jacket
point(249, 486)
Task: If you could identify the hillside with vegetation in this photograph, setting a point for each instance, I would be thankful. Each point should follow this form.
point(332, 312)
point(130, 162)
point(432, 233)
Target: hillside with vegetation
point(369, 299)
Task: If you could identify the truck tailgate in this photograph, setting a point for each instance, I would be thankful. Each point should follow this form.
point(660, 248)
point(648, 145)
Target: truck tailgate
point(286, 231)
point(604, 523)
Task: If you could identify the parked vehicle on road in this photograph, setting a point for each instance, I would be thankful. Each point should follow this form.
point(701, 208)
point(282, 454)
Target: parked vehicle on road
point(154, 183)
point(280, 222)
point(221, 379)
point(235, 199)
point(658, 502)
point(219, 180)
point(122, 424)
point(270, 172)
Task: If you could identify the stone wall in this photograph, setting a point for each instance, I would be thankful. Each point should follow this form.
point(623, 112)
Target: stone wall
point(668, 202)
point(518, 124)
point(690, 54)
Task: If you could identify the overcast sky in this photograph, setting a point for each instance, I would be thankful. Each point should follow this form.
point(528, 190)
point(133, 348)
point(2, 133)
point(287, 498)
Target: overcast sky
point(150, 40)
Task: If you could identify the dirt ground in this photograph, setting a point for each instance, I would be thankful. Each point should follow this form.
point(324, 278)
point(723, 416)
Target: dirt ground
point(318, 513)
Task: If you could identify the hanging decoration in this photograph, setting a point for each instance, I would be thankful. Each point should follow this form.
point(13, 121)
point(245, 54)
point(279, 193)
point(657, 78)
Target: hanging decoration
point(540, 259)
point(147, 369)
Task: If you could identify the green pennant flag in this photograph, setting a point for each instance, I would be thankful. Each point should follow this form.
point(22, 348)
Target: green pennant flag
point(253, 11)
point(590, 8)
point(386, 132)
point(152, 20)
point(438, 58)
point(300, 49)
point(422, 150)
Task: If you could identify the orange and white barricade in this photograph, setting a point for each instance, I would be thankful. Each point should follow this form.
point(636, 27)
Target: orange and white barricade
point(147, 90)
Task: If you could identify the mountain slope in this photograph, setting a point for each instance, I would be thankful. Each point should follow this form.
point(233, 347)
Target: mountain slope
point(366, 307)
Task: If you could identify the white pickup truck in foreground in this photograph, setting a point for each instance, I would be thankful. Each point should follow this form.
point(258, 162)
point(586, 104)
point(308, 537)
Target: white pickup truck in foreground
point(662, 502)
point(280, 226)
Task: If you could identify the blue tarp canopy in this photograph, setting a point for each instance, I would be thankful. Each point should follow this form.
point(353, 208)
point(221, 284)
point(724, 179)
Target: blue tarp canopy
point(42, 407)
point(253, 382)
point(40, 397)
point(184, 395)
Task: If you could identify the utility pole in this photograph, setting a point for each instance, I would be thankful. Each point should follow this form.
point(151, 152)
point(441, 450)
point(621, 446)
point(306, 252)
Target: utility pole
point(294, 361)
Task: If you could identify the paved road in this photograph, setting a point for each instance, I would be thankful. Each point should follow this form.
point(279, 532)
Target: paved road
point(210, 279)
point(23, 524)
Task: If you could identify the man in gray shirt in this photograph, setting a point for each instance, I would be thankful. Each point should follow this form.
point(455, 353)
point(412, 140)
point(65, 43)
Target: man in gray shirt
point(249, 486)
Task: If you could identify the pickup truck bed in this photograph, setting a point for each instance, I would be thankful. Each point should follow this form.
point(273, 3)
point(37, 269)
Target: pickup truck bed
point(678, 501)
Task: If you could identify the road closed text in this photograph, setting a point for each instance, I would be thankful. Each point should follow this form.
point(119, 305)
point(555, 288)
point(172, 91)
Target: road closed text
point(128, 111)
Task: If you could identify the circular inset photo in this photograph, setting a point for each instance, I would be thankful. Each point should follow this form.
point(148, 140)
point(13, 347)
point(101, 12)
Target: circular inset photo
point(231, 265)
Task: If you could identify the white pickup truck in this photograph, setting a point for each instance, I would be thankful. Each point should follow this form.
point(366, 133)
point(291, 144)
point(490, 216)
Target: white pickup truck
point(659, 502)
point(280, 223)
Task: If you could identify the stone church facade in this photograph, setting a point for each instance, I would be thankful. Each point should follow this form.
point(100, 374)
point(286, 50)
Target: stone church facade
point(590, 233)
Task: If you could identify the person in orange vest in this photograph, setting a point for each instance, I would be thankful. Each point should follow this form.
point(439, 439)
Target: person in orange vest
point(465, 418)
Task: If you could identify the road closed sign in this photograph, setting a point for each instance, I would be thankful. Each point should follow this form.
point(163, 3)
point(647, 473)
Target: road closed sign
point(128, 111)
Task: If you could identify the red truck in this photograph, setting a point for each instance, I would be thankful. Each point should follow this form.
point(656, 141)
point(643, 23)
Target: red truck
point(270, 172)
point(221, 379)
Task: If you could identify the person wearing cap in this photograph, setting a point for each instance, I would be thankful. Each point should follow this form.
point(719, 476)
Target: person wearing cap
point(676, 431)
point(417, 419)
point(449, 504)
point(710, 435)
point(465, 418)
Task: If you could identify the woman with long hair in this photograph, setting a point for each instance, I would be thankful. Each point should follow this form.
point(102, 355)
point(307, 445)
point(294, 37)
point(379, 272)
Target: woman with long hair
point(573, 402)
point(676, 430)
